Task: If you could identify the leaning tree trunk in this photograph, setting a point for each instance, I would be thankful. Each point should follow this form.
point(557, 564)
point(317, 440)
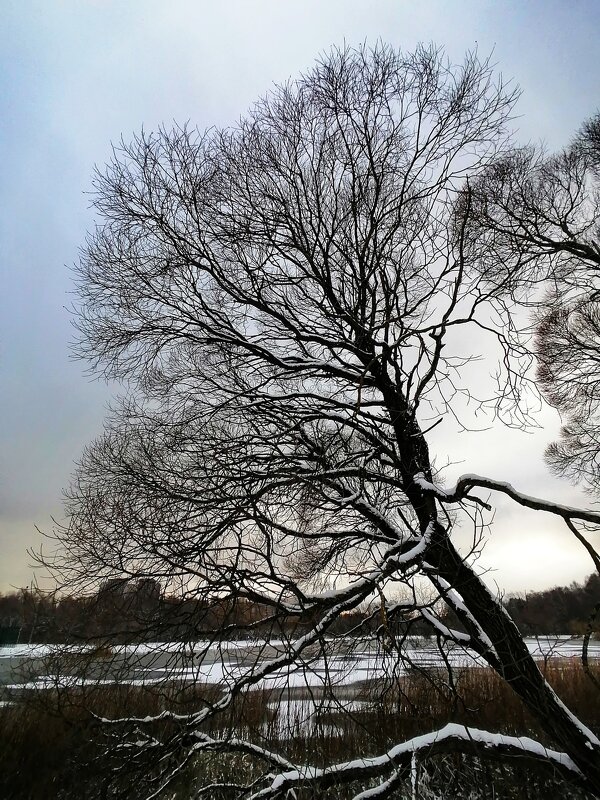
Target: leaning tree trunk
point(511, 658)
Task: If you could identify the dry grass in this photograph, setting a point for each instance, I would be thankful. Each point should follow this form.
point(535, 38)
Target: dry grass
point(52, 745)
point(423, 700)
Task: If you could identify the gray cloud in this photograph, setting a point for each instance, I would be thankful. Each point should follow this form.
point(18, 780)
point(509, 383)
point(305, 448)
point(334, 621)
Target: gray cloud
point(74, 76)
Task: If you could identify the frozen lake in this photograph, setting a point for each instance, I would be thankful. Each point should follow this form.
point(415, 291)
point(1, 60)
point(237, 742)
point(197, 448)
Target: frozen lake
point(349, 663)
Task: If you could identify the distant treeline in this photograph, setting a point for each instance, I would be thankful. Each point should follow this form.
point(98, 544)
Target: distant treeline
point(564, 609)
point(139, 610)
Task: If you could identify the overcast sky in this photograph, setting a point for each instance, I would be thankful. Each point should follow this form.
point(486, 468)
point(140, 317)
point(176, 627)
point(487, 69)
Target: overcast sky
point(76, 76)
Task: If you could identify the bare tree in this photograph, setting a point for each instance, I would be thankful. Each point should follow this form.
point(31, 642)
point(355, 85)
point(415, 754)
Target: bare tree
point(543, 212)
point(293, 304)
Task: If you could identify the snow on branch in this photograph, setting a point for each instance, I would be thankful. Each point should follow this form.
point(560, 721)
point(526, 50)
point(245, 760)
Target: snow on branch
point(401, 556)
point(450, 739)
point(231, 744)
point(447, 633)
point(467, 482)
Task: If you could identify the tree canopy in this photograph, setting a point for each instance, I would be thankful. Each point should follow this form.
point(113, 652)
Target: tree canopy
point(293, 303)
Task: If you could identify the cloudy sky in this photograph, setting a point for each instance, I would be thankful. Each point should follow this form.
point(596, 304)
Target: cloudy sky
point(76, 75)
